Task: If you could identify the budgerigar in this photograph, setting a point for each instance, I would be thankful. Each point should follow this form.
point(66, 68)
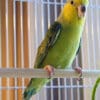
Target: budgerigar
point(61, 43)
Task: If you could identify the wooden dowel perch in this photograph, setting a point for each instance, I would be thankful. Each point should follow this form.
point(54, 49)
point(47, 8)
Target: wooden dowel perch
point(40, 73)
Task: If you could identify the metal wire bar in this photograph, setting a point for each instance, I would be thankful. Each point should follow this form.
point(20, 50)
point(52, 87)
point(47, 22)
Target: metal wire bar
point(40, 73)
point(54, 87)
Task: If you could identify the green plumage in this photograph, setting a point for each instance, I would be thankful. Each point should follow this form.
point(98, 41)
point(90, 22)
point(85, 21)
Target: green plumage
point(59, 46)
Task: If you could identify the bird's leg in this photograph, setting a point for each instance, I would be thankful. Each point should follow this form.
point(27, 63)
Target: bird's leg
point(79, 71)
point(50, 70)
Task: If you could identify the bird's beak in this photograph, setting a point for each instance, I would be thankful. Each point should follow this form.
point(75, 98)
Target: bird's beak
point(81, 11)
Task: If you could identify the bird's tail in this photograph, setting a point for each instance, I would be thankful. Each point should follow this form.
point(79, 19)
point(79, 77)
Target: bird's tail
point(33, 87)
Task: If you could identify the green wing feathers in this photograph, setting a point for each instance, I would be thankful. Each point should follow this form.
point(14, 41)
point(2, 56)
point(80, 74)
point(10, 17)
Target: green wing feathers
point(50, 39)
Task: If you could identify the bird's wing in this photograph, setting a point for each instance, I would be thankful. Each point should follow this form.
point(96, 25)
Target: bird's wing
point(50, 39)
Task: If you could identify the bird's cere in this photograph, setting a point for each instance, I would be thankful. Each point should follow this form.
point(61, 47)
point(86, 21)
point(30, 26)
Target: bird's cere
point(81, 11)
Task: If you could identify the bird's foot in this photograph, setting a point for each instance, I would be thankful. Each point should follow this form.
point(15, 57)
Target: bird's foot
point(79, 71)
point(50, 70)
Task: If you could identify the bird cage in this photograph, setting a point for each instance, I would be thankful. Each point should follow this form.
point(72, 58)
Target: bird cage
point(23, 24)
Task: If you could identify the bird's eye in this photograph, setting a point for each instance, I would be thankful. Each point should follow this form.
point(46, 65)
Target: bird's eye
point(72, 2)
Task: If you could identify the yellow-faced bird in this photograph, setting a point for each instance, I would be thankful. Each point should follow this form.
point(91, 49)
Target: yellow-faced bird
point(61, 43)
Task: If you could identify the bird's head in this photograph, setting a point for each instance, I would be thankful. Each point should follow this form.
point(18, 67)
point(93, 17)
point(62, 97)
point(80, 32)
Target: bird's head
point(75, 10)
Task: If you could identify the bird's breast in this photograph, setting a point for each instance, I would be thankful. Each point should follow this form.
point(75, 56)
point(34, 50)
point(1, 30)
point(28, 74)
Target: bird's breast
point(64, 50)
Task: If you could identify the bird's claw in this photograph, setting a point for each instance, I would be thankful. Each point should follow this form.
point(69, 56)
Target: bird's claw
point(50, 70)
point(79, 71)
